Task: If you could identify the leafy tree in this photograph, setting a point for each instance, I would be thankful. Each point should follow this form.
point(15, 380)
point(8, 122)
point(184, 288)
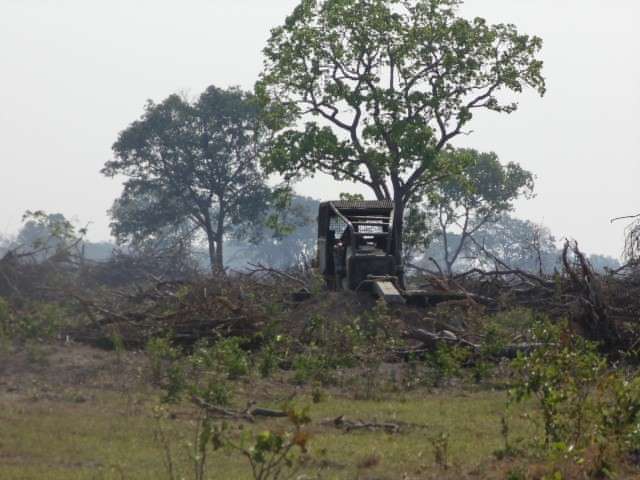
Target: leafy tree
point(420, 232)
point(520, 244)
point(191, 166)
point(147, 222)
point(466, 202)
point(601, 263)
point(384, 86)
point(45, 230)
point(45, 235)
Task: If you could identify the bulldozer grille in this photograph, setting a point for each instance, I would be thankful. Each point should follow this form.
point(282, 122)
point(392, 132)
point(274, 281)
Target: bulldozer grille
point(337, 225)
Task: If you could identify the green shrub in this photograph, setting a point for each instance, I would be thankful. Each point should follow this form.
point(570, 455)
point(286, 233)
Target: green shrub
point(491, 350)
point(312, 365)
point(225, 356)
point(482, 370)
point(560, 374)
point(216, 392)
point(617, 431)
point(444, 363)
point(5, 318)
point(273, 454)
point(38, 321)
point(232, 357)
point(161, 354)
point(268, 360)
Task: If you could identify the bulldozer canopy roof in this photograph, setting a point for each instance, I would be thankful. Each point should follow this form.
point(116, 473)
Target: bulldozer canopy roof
point(379, 206)
point(349, 208)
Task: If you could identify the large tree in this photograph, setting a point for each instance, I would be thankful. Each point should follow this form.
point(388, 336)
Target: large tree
point(515, 243)
point(194, 164)
point(464, 203)
point(372, 91)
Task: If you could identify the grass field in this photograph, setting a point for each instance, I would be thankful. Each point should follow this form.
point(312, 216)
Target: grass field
point(78, 413)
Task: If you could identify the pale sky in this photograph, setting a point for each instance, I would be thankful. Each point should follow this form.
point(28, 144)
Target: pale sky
point(73, 73)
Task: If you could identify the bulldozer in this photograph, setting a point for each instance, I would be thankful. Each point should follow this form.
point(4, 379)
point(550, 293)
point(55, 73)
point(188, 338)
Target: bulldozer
point(355, 247)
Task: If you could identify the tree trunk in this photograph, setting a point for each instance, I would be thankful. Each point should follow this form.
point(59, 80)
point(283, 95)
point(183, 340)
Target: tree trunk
point(398, 231)
point(219, 260)
point(211, 242)
point(220, 234)
point(214, 240)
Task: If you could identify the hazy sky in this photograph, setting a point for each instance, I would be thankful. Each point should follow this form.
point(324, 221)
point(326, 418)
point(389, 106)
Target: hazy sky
point(73, 73)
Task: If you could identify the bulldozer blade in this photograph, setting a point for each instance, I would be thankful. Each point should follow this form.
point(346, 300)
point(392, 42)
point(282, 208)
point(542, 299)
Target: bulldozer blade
point(388, 292)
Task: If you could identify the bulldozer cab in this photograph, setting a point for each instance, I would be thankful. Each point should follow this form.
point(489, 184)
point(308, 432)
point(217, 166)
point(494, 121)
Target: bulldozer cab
point(355, 242)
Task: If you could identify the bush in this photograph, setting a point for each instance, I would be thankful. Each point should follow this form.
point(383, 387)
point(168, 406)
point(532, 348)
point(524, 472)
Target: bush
point(5, 318)
point(231, 357)
point(161, 355)
point(444, 363)
point(202, 374)
point(560, 374)
point(38, 321)
point(275, 454)
point(313, 365)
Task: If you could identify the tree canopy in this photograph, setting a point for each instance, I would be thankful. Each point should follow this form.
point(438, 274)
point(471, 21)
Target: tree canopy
point(478, 195)
point(372, 91)
point(191, 167)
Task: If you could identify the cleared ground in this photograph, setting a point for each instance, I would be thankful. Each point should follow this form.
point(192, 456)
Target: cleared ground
point(74, 412)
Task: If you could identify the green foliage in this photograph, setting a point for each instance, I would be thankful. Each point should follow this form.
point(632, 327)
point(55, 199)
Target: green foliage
point(474, 197)
point(204, 373)
point(493, 341)
point(271, 454)
point(228, 354)
point(191, 166)
point(161, 354)
point(275, 454)
point(491, 349)
point(5, 318)
point(517, 473)
point(560, 375)
point(285, 217)
point(333, 341)
point(317, 394)
point(313, 365)
point(440, 445)
point(617, 431)
point(36, 321)
point(176, 382)
point(485, 186)
point(590, 415)
point(268, 360)
point(329, 344)
point(392, 83)
point(48, 233)
point(351, 197)
point(419, 231)
point(444, 363)
point(482, 370)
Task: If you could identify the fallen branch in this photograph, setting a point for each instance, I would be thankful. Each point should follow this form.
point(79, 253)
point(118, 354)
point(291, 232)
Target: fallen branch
point(259, 268)
point(248, 414)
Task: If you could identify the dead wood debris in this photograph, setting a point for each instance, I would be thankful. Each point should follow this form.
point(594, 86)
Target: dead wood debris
point(249, 414)
point(348, 425)
point(136, 297)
